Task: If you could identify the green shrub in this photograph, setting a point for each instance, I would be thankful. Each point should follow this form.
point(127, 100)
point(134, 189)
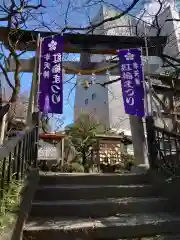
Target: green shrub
point(77, 167)
point(65, 168)
point(10, 204)
point(128, 161)
point(95, 169)
point(72, 167)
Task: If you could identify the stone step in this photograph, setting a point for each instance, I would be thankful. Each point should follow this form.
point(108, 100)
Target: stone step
point(87, 192)
point(157, 237)
point(51, 178)
point(120, 226)
point(161, 237)
point(98, 208)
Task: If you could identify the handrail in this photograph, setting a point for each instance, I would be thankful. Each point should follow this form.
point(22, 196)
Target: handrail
point(163, 147)
point(19, 154)
point(25, 205)
point(164, 131)
point(166, 152)
point(4, 110)
point(7, 147)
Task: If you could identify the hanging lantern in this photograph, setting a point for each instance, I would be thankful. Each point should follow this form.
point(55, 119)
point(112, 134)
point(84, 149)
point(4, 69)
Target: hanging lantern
point(79, 80)
point(108, 72)
point(93, 78)
point(86, 84)
point(63, 72)
point(107, 75)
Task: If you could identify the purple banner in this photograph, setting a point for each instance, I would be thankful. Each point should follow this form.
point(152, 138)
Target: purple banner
point(51, 82)
point(132, 81)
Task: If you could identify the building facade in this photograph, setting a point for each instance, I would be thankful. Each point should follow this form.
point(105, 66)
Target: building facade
point(102, 101)
point(106, 103)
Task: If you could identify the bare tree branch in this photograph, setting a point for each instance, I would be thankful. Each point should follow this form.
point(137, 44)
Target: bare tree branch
point(110, 19)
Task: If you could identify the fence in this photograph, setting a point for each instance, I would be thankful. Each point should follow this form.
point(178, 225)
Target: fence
point(164, 149)
point(18, 154)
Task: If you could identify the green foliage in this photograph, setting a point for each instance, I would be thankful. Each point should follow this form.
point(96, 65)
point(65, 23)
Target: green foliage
point(77, 167)
point(65, 168)
point(95, 169)
point(44, 123)
point(81, 137)
point(72, 167)
point(9, 205)
point(127, 161)
point(11, 198)
point(83, 131)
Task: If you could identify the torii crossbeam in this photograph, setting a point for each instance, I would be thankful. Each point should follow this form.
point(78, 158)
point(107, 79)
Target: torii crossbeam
point(93, 44)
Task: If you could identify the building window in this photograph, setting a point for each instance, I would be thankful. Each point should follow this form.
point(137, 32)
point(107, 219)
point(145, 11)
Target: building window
point(93, 96)
point(86, 101)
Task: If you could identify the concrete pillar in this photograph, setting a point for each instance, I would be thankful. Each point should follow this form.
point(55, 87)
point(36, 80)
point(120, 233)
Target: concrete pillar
point(3, 129)
point(139, 142)
point(62, 152)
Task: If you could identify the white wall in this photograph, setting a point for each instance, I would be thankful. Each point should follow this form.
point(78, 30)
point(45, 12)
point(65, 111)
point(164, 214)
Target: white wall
point(98, 106)
point(153, 6)
point(108, 106)
point(6, 90)
point(118, 118)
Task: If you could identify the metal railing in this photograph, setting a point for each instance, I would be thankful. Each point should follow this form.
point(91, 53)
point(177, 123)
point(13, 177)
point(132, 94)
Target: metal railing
point(164, 149)
point(167, 150)
point(19, 154)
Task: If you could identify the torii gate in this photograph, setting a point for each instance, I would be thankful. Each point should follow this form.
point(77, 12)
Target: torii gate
point(86, 45)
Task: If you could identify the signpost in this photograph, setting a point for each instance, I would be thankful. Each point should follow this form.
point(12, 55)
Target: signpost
point(47, 152)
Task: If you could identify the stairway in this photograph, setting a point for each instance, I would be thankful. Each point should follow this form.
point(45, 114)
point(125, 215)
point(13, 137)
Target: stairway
point(99, 206)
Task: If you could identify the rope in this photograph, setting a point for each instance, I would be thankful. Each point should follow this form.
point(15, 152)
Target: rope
point(89, 72)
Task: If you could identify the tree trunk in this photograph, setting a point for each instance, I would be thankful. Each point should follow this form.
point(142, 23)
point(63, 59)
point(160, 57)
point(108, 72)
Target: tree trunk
point(84, 162)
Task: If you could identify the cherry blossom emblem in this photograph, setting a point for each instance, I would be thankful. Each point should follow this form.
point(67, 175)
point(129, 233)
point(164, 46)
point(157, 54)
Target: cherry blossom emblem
point(129, 56)
point(52, 45)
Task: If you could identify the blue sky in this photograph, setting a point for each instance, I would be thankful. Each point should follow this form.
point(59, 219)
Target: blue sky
point(68, 95)
point(54, 17)
point(76, 16)
point(55, 12)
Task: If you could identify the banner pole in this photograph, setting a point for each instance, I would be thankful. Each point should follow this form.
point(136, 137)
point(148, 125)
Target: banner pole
point(149, 88)
point(32, 97)
point(138, 137)
point(38, 73)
